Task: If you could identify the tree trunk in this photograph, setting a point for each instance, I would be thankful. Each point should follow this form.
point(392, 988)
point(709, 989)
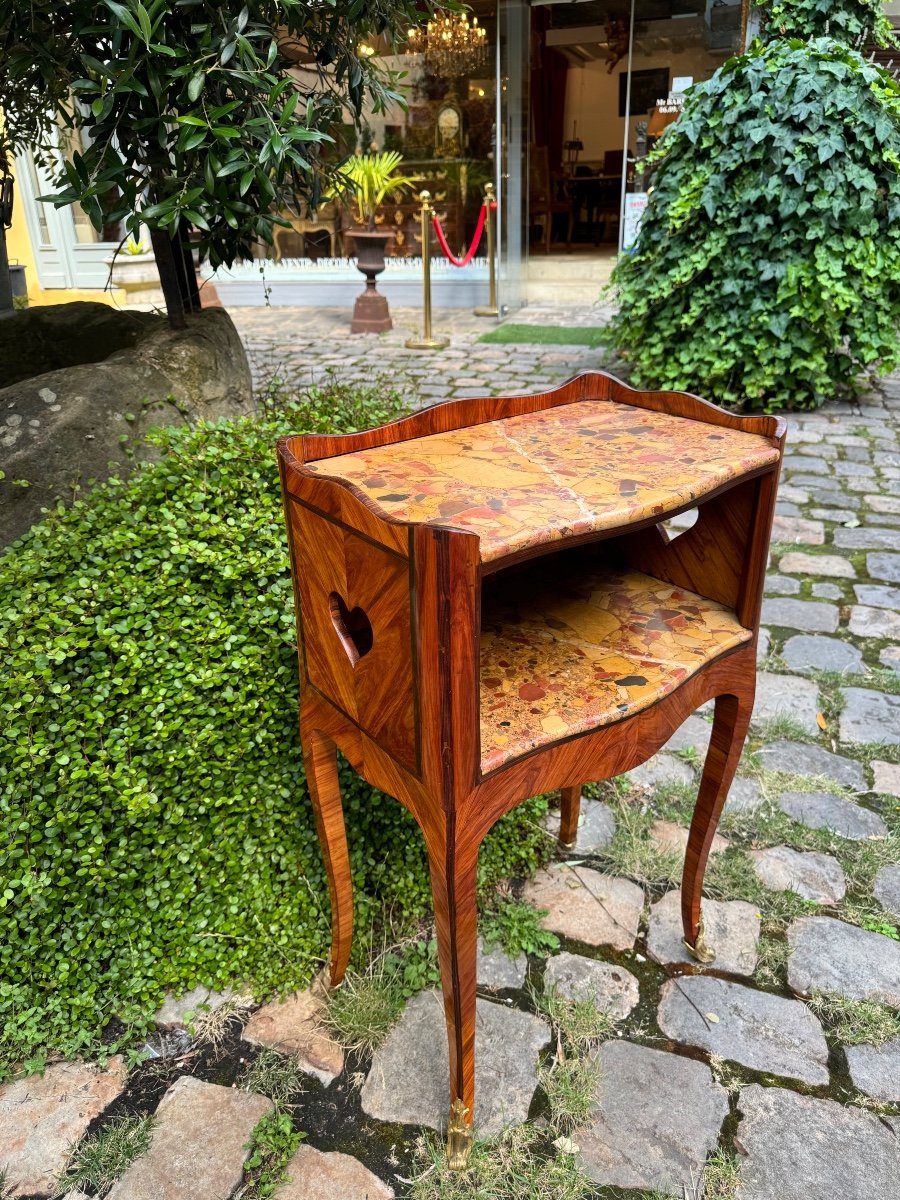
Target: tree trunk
point(176, 274)
point(6, 299)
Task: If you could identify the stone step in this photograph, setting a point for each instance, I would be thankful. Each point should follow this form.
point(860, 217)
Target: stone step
point(542, 291)
point(199, 1144)
point(43, 1116)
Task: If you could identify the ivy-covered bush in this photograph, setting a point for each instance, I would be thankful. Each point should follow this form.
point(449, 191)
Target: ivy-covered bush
point(155, 829)
point(767, 269)
point(851, 21)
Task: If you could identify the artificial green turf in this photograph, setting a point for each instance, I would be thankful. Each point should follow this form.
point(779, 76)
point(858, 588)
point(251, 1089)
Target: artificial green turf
point(546, 335)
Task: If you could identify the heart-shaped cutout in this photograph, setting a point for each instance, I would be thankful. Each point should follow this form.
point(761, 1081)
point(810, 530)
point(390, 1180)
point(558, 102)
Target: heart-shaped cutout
point(353, 628)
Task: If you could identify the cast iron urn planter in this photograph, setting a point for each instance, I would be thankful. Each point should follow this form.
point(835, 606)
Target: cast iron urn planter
point(370, 312)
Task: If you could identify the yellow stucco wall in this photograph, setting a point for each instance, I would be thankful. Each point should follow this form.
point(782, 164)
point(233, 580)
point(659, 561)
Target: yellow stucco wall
point(19, 250)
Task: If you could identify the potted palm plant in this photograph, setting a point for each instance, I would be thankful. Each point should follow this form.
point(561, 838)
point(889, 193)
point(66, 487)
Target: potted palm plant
point(368, 179)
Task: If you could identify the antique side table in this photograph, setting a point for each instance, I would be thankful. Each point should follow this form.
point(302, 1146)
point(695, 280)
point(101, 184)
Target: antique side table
point(489, 608)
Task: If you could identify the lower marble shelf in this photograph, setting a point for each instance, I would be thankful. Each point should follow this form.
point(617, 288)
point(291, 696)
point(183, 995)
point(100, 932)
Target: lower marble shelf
point(568, 649)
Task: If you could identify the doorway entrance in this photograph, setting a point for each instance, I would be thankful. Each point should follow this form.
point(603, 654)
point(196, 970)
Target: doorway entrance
point(606, 78)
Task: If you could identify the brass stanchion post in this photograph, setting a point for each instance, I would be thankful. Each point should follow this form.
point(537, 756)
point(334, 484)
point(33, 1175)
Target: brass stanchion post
point(426, 341)
point(490, 309)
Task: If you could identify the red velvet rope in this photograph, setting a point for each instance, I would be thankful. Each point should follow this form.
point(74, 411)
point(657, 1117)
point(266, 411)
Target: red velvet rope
point(473, 245)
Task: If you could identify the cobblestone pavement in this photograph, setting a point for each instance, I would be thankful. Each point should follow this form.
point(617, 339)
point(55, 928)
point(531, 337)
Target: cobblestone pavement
point(303, 344)
point(804, 898)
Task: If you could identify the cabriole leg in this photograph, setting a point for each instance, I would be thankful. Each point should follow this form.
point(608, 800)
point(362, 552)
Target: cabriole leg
point(732, 716)
point(569, 809)
point(453, 887)
point(320, 760)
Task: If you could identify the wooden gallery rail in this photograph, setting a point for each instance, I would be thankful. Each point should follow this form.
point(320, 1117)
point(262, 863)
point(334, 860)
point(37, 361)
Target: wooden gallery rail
point(488, 608)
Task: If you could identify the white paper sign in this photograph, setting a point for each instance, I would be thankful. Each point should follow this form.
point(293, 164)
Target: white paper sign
point(635, 204)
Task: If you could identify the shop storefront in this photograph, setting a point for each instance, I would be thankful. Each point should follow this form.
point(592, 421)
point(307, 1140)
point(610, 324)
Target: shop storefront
point(555, 103)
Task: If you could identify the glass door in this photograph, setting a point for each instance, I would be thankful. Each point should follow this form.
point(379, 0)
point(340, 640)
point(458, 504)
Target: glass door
point(513, 35)
point(670, 48)
point(69, 252)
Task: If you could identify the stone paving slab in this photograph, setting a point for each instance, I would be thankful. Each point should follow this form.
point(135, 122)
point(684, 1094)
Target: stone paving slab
point(596, 826)
point(878, 595)
point(669, 835)
point(875, 1070)
point(818, 877)
point(746, 1026)
point(799, 1148)
point(314, 1175)
point(587, 906)
point(693, 734)
point(660, 769)
point(198, 1146)
point(409, 1080)
point(867, 538)
point(806, 652)
point(656, 1118)
point(868, 622)
point(870, 717)
point(886, 778)
point(732, 931)
point(42, 1116)
point(177, 1011)
point(495, 969)
point(832, 565)
point(884, 566)
point(825, 810)
point(811, 616)
point(801, 758)
point(786, 696)
point(744, 795)
point(612, 989)
point(799, 530)
point(886, 889)
point(828, 955)
point(294, 1026)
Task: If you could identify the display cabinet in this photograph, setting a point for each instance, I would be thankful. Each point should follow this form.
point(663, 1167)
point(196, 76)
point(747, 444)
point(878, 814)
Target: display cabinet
point(489, 607)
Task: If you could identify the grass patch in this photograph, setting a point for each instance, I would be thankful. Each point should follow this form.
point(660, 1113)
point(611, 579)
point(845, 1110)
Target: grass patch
point(781, 727)
point(212, 1025)
point(632, 851)
point(103, 1157)
point(855, 1022)
point(272, 1144)
point(570, 1079)
point(771, 963)
point(516, 1166)
point(275, 1075)
point(546, 335)
point(721, 1176)
point(362, 1010)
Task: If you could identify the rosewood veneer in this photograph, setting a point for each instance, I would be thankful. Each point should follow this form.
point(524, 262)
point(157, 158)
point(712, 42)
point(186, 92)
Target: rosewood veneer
point(489, 608)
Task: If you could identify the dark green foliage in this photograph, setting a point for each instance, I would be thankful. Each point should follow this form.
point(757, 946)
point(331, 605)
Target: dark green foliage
point(155, 830)
point(272, 1145)
point(190, 108)
point(852, 21)
point(516, 927)
point(767, 271)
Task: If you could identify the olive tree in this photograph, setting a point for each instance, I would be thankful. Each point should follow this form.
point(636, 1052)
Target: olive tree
point(192, 122)
point(767, 269)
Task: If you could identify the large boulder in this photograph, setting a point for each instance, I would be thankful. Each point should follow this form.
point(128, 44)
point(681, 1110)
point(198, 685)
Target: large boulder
point(53, 336)
point(66, 429)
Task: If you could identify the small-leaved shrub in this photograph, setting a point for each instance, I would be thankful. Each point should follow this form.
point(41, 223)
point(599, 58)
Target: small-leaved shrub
point(767, 269)
point(155, 824)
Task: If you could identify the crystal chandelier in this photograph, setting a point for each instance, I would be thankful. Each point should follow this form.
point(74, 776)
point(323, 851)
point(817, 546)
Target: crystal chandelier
point(451, 45)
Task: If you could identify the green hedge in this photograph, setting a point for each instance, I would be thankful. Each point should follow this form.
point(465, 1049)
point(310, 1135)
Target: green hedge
point(767, 269)
point(156, 828)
